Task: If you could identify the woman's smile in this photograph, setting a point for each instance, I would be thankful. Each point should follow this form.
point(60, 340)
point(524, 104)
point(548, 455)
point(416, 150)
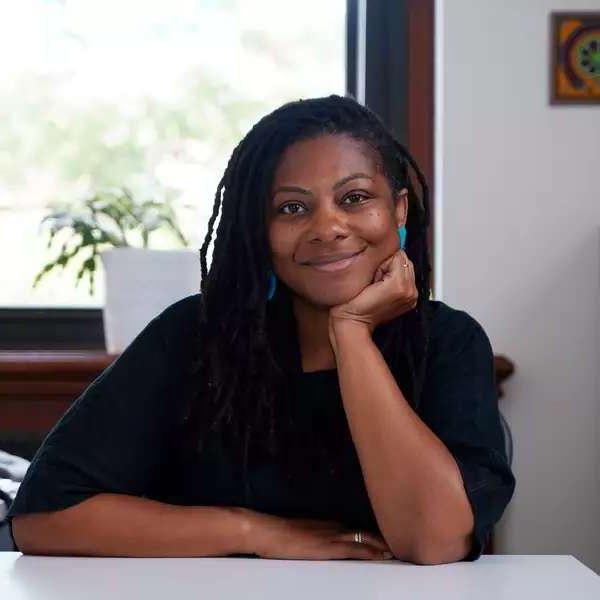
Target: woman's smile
point(336, 265)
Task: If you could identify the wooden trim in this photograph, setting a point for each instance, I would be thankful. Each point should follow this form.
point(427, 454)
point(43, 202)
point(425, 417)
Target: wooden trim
point(36, 388)
point(421, 137)
point(74, 364)
point(51, 328)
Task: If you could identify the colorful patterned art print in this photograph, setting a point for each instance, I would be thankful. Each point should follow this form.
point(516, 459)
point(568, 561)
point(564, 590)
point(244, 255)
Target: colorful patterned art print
point(575, 58)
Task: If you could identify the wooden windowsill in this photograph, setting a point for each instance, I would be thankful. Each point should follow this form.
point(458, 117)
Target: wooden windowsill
point(37, 387)
point(75, 362)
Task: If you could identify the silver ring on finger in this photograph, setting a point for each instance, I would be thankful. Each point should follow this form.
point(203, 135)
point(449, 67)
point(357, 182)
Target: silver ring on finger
point(358, 537)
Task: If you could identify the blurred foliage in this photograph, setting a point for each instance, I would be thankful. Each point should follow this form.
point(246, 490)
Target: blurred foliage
point(99, 146)
point(103, 220)
point(106, 143)
point(86, 145)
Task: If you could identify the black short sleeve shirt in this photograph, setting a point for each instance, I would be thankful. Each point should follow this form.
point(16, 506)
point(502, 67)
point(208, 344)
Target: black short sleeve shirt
point(118, 436)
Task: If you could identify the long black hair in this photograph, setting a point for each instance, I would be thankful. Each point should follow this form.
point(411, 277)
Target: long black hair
point(243, 363)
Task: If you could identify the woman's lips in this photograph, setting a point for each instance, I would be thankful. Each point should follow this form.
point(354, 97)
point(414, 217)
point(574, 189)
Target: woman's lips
point(338, 265)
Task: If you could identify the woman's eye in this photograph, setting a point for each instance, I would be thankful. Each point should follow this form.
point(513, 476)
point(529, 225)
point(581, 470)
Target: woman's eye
point(359, 197)
point(293, 212)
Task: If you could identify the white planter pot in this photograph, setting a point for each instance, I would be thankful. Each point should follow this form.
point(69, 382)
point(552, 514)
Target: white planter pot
point(140, 283)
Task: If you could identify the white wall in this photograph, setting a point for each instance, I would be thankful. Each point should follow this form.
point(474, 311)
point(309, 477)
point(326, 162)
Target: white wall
point(518, 196)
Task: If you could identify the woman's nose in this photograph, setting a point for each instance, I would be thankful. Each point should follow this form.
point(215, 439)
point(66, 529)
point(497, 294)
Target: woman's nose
point(328, 225)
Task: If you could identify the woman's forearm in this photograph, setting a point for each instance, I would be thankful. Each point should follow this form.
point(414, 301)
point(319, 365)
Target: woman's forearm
point(413, 481)
point(120, 525)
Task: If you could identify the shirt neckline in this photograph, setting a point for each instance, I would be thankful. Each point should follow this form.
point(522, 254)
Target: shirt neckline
point(319, 372)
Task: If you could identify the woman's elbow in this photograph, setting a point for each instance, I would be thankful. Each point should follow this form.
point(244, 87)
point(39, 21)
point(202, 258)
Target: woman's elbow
point(32, 533)
point(21, 533)
point(435, 553)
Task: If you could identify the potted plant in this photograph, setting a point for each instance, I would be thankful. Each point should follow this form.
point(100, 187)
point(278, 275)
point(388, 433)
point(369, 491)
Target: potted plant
point(111, 226)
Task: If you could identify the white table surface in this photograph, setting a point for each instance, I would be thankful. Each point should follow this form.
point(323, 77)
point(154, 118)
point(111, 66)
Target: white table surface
point(491, 577)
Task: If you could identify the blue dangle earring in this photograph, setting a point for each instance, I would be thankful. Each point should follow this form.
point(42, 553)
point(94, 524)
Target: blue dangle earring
point(272, 284)
point(402, 234)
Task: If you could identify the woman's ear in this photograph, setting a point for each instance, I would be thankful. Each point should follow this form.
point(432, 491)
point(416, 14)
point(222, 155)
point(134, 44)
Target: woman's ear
point(401, 207)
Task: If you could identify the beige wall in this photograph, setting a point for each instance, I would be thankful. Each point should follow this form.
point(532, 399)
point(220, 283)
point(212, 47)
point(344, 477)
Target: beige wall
point(518, 202)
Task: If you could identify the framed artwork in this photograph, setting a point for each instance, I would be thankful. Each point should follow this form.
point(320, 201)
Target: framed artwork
point(575, 52)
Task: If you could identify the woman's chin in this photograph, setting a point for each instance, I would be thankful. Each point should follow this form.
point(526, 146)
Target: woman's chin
point(329, 298)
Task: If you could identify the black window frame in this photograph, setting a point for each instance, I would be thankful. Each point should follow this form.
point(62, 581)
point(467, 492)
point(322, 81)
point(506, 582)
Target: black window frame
point(376, 75)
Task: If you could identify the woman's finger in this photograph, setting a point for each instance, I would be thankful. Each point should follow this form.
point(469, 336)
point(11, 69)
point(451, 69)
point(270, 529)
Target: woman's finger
point(409, 270)
point(370, 538)
point(386, 265)
point(404, 258)
point(378, 275)
point(395, 267)
point(357, 551)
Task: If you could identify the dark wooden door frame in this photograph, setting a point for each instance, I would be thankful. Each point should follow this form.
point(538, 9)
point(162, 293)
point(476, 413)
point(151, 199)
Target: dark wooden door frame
point(421, 93)
point(398, 40)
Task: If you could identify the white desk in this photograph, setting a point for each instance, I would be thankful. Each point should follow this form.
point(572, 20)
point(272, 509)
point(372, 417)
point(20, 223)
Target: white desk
point(491, 577)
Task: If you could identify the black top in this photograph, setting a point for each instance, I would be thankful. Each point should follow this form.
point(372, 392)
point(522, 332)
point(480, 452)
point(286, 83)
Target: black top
point(116, 437)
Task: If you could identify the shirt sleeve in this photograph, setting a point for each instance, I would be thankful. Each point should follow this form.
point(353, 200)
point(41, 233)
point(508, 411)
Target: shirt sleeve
point(114, 437)
point(460, 405)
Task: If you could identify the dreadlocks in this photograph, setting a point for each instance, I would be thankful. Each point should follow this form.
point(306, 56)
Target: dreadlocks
point(237, 380)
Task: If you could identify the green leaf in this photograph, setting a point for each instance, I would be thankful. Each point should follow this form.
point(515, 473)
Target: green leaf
point(102, 219)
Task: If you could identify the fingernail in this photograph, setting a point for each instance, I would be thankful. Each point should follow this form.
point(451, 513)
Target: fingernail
point(387, 555)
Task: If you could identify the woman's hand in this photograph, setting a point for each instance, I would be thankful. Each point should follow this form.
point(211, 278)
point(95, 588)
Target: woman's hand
point(270, 536)
point(392, 293)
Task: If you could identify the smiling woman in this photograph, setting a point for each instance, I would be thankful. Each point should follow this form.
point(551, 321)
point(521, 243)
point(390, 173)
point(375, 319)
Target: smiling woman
point(343, 207)
point(346, 416)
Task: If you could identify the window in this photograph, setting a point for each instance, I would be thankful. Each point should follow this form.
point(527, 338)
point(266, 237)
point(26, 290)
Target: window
point(156, 95)
point(148, 95)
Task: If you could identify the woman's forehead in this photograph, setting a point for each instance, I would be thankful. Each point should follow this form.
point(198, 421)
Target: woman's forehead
point(327, 155)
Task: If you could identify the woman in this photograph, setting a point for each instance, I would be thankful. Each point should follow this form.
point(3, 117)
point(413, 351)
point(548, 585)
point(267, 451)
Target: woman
point(311, 402)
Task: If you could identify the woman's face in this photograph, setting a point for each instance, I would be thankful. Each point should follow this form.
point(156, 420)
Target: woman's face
point(328, 197)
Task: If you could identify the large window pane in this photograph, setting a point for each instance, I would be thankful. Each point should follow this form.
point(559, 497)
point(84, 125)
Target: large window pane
point(148, 95)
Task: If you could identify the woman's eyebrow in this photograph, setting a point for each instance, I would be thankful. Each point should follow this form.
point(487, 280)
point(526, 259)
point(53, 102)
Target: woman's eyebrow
point(344, 180)
point(291, 188)
point(336, 185)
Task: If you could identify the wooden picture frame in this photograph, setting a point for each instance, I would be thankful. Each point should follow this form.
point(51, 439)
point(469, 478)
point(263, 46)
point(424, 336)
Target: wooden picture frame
point(575, 58)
